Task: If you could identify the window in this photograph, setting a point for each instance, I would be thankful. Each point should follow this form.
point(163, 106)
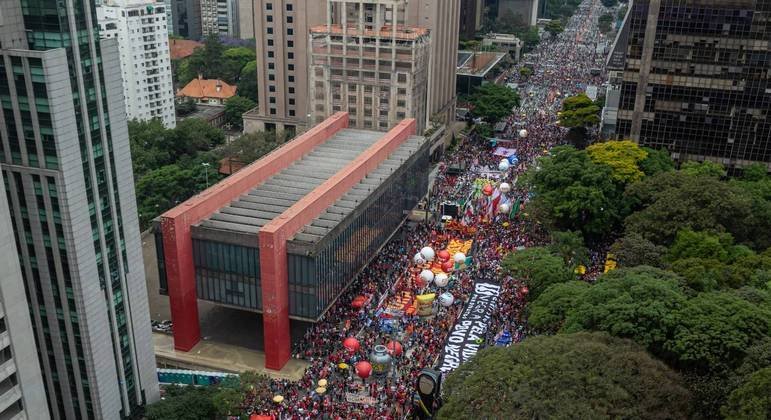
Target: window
point(270, 42)
point(271, 88)
point(271, 77)
point(270, 31)
point(288, 7)
point(290, 55)
point(289, 19)
point(269, 18)
point(269, 6)
point(272, 100)
point(290, 78)
point(291, 89)
point(290, 44)
point(290, 67)
point(291, 112)
point(270, 54)
point(289, 31)
point(291, 101)
point(273, 111)
point(271, 66)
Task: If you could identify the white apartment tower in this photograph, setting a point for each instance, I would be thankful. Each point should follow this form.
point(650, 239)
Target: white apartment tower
point(141, 28)
point(220, 17)
point(367, 62)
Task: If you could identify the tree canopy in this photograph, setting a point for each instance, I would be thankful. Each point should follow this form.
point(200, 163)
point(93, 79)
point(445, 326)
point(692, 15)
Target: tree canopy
point(234, 109)
point(565, 376)
point(493, 102)
point(633, 249)
point(623, 157)
point(538, 267)
point(751, 400)
point(579, 111)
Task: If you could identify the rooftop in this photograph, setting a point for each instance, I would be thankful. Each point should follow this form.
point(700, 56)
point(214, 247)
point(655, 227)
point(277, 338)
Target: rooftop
point(477, 63)
point(207, 88)
point(181, 48)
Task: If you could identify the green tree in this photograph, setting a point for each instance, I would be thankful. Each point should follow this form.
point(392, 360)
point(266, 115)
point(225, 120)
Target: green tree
point(623, 157)
point(207, 60)
point(657, 160)
point(671, 201)
point(493, 102)
point(690, 244)
point(570, 246)
point(250, 147)
point(752, 400)
point(186, 107)
point(755, 172)
point(194, 135)
point(554, 27)
point(247, 81)
point(714, 330)
point(538, 268)
point(636, 303)
point(547, 313)
point(234, 109)
point(633, 250)
point(605, 23)
point(703, 169)
point(234, 61)
point(573, 193)
point(484, 130)
point(183, 403)
point(579, 111)
point(583, 375)
point(227, 401)
point(700, 274)
point(525, 71)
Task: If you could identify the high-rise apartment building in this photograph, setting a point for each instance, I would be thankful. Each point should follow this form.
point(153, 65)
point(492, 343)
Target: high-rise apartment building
point(282, 30)
point(471, 13)
point(246, 18)
point(367, 62)
point(219, 17)
point(64, 153)
point(21, 384)
point(526, 10)
point(693, 77)
point(187, 18)
point(140, 26)
point(169, 6)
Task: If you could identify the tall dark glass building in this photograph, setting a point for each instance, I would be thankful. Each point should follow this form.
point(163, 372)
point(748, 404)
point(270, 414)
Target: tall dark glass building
point(66, 164)
point(692, 76)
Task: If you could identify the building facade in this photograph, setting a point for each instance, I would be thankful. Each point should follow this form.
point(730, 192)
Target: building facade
point(219, 17)
point(64, 153)
point(471, 13)
point(246, 15)
point(284, 236)
point(171, 24)
point(21, 383)
point(187, 18)
point(527, 10)
point(693, 78)
point(141, 29)
point(282, 29)
point(365, 62)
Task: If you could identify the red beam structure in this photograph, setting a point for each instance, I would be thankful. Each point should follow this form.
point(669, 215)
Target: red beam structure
point(273, 237)
point(176, 224)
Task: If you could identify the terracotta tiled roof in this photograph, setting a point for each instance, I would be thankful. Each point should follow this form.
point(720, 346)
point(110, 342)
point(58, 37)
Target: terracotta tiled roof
point(207, 88)
point(181, 48)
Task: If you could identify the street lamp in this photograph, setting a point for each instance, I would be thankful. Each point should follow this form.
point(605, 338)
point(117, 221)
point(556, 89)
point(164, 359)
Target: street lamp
point(206, 172)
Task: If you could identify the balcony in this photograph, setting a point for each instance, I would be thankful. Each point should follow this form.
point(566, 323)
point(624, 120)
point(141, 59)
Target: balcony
point(9, 396)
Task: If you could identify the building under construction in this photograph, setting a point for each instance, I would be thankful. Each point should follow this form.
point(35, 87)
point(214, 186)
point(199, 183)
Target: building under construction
point(366, 61)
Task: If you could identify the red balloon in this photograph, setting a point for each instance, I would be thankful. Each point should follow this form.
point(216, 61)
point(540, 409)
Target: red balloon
point(447, 266)
point(525, 290)
point(351, 344)
point(363, 369)
point(487, 190)
point(443, 255)
point(394, 348)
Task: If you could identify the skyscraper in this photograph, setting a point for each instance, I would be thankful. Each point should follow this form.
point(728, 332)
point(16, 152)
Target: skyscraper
point(65, 155)
point(140, 26)
point(693, 77)
point(21, 384)
point(282, 31)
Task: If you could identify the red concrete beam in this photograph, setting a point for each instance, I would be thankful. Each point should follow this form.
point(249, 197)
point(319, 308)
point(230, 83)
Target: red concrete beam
point(273, 237)
point(176, 223)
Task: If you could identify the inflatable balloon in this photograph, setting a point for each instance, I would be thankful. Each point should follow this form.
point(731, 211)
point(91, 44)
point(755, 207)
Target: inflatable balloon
point(427, 276)
point(459, 257)
point(487, 190)
point(363, 369)
point(504, 187)
point(504, 208)
point(395, 348)
point(503, 165)
point(428, 253)
point(351, 344)
point(441, 280)
point(446, 299)
point(523, 133)
point(443, 255)
point(418, 259)
point(447, 266)
point(513, 160)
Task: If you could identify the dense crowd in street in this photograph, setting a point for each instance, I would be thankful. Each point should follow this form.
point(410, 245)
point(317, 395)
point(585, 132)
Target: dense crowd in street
point(561, 67)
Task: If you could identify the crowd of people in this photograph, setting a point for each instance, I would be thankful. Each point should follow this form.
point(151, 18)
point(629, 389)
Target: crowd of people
point(561, 67)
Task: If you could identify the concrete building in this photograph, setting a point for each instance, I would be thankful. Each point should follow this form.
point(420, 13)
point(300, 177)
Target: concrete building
point(246, 15)
point(504, 42)
point(282, 28)
point(67, 164)
point(285, 235)
point(476, 68)
point(21, 383)
point(141, 29)
point(219, 17)
point(526, 9)
point(364, 62)
point(171, 25)
point(187, 17)
point(693, 77)
point(471, 14)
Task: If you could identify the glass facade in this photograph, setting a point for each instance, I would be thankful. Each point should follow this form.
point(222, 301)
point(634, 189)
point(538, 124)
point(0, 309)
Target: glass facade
point(706, 94)
point(230, 273)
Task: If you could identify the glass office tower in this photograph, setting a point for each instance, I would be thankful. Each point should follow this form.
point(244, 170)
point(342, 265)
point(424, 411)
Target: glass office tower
point(66, 163)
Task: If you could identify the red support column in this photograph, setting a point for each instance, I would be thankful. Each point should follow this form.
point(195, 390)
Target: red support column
point(180, 275)
point(273, 258)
